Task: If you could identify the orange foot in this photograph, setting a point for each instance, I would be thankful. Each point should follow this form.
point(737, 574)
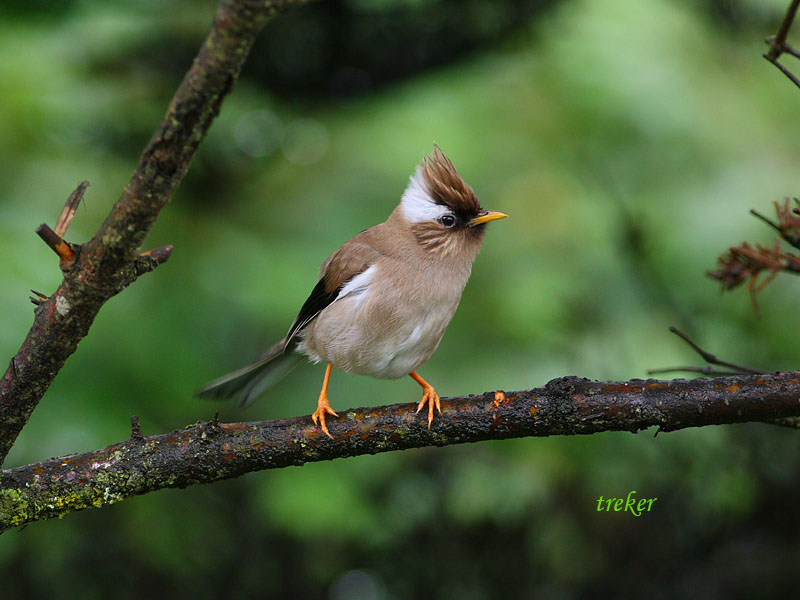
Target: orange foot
point(429, 397)
point(323, 408)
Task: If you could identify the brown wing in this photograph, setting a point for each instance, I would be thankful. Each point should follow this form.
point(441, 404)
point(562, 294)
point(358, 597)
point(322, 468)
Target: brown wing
point(355, 256)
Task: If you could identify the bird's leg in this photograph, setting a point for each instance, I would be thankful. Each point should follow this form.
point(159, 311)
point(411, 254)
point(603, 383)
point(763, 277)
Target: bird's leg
point(429, 397)
point(323, 406)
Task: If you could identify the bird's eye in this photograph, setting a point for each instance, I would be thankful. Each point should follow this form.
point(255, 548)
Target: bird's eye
point(447, 220)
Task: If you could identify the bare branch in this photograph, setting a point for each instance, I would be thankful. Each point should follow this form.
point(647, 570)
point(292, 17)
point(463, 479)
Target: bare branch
point(110, 261)
point(711, 359)
point(778, 45)
point(733, 369)
point(778, 42)
point(707, 370)
point(212, 451)
point(766, 220)
point(783, 70)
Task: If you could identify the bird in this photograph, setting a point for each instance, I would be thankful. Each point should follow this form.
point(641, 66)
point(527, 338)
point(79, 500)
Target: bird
point(384, 299)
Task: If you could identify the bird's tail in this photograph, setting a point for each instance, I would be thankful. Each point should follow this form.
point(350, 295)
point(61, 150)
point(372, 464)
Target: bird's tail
point(249, 382)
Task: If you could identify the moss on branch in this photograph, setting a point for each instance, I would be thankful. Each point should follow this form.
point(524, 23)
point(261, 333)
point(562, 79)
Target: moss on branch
point(210, 451)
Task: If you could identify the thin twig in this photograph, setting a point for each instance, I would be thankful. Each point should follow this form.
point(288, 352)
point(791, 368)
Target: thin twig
point(707, 370)
point(709, 358)
point(778, 45)
point(790, 50)
point(149, 260)
point(784, 70)
point(65, 253)
point(766, 220)
point(38, 297)
point(55, 237)
point(71, 206)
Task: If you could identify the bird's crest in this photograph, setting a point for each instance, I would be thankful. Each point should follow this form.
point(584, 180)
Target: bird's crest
point(445, 185)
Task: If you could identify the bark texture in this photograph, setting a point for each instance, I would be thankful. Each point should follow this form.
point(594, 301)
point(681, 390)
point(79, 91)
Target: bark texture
point(110, 261)
point(211, 451)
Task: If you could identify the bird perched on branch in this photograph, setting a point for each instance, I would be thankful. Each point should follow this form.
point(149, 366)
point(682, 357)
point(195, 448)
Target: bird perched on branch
point(385, 298)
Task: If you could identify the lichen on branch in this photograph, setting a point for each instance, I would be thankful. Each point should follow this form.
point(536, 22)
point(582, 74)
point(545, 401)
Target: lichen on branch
point(111, 260)
point(210, 451)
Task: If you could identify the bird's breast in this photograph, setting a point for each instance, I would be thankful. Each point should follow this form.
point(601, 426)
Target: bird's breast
point(386, 326)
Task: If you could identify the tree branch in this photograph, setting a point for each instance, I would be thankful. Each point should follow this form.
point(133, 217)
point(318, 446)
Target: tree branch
point(711, 359)
point(110, 261)
point(777, 43)
point(211, 451)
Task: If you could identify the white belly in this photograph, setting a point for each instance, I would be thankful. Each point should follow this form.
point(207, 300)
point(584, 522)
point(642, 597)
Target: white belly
point(377, 332)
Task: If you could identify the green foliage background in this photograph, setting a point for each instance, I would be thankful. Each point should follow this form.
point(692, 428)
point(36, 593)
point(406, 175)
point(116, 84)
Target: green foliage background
point(627, 140)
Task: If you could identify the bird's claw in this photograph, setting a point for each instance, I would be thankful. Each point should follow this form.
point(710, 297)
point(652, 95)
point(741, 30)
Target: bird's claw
point(431, 398)
point(318, 416)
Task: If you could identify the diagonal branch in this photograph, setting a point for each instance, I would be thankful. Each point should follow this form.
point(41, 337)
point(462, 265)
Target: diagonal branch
point(710, 358)
point(211, 451)
point(778, 45)
point(110, 261)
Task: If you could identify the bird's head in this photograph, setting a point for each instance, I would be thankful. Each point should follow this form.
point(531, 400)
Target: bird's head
point(442, 209)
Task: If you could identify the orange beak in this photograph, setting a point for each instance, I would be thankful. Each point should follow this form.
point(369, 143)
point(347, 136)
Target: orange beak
point(487, 215)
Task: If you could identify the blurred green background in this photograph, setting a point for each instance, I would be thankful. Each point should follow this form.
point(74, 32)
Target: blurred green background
point(627, 140)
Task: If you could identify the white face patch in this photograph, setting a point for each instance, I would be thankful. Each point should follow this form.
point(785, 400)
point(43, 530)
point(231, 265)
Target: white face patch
point(417, 204)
